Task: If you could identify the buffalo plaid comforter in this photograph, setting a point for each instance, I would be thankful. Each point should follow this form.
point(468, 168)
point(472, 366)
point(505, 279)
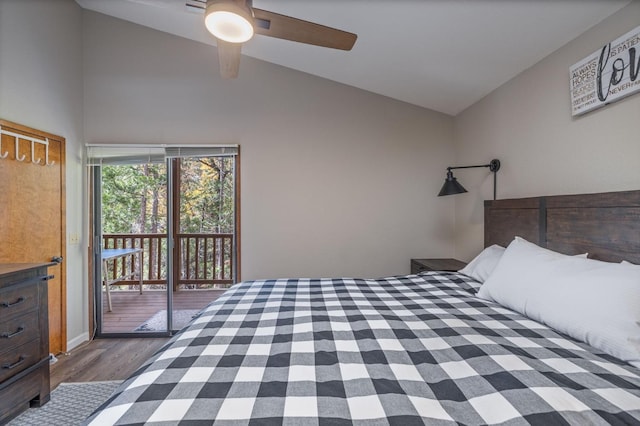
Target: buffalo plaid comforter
point(420, 349)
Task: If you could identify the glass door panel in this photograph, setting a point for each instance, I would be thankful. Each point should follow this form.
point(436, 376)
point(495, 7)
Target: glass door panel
point(133, 220)
point(204, 255)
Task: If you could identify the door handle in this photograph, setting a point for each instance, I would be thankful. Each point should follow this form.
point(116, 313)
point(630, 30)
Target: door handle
point(57, 259)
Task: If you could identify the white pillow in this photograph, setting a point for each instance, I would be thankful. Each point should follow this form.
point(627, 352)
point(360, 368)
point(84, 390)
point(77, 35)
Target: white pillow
point(483, 264)
point(592, 301)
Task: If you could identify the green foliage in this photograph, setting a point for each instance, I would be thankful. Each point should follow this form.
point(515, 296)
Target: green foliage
point(128, 196)
point(206, 191)
point(134, 197)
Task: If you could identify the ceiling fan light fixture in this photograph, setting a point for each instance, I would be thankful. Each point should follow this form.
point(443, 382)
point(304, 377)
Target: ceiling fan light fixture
point(229, 21)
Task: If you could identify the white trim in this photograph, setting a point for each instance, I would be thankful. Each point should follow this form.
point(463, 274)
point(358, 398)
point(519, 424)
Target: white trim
point(162, 145)
point(123, 154)
point(77, 341)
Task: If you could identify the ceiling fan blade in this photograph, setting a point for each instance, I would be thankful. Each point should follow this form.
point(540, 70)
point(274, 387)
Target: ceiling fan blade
point(229, 58)
point(288, 28)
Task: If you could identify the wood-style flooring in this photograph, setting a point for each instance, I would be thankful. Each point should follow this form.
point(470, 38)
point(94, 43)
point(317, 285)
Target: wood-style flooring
point(130, 308)
point(103, 360)
point(116, 359)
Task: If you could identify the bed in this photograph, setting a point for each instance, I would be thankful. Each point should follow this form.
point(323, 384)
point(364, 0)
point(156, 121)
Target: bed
point(405, 350)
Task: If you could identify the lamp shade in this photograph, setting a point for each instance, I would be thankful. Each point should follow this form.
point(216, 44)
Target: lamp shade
point(451, 186)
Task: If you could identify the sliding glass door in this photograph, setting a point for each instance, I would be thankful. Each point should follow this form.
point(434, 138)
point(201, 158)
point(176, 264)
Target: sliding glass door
point(204, 224)
point(164, 223)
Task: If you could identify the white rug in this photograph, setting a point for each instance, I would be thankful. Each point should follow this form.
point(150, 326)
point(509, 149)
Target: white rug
point(71, 404)
point(158, 322)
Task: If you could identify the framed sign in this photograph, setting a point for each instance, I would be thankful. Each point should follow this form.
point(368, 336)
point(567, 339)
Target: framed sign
point(607, 75)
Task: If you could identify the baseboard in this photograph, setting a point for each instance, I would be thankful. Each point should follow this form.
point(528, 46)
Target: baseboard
point(77, 341)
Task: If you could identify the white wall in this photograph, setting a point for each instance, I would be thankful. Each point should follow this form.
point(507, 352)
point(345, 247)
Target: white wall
point(527, 124)
point(41, 87)
point(335, 181)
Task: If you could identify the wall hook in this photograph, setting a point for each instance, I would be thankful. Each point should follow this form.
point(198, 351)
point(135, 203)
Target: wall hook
point(46, 154)
point(33, 153)
point(6, 153)
point(17, 153)
point(33, 141)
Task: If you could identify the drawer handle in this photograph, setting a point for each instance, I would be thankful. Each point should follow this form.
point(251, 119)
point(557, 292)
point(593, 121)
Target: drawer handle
point(20, 361)
point(8, 335)
point(20, 300)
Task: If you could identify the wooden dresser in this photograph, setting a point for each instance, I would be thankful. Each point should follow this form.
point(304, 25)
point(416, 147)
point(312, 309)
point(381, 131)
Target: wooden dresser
point(24, 338)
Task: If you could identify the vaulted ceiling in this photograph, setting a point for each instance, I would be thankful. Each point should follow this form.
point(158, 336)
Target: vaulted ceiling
point(439, 54)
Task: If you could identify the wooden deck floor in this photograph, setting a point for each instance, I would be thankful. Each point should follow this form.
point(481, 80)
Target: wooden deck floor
point(131, 309)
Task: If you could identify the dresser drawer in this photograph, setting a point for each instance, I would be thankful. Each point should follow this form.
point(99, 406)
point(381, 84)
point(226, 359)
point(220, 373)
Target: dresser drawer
point(14, 361)
point(14, 399)
point(16, 301)
point(19, 330)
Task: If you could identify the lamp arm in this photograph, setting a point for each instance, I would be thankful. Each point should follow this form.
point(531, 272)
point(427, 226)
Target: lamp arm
point(468, 167)
point(495, 187)
point(493, 166)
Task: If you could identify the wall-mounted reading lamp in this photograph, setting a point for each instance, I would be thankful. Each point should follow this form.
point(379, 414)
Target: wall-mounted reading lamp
point(452, 186)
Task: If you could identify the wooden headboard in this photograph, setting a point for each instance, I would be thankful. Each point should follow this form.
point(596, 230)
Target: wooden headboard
point(606, 225)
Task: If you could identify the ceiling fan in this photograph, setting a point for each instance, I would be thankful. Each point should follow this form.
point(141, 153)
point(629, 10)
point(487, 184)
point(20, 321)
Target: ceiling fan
point(234, 22)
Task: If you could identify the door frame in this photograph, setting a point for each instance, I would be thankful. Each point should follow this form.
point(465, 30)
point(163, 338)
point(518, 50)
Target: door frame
point(95, 245)
point(39, 134)
point(95, 255)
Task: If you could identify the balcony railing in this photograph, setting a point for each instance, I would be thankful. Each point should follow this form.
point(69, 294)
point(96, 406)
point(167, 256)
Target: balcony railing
point(202, 260)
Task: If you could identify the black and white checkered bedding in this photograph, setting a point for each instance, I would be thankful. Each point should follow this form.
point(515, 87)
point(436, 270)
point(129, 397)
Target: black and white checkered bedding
point(402, 351)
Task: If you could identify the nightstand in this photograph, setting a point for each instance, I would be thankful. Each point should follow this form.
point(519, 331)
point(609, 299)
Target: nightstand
point(422, 265)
